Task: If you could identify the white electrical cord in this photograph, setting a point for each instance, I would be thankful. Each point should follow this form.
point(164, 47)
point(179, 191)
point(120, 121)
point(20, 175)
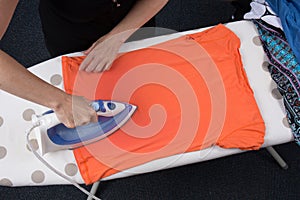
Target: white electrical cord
point(35, 125)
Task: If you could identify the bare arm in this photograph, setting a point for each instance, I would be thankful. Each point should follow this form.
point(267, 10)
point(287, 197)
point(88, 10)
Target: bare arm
point(17, 80)
point(7, 8)
point(141, 13)
point(102, 53)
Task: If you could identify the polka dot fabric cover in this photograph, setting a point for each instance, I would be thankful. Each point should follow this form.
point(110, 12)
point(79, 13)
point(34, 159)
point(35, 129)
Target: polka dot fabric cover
point(19, 167)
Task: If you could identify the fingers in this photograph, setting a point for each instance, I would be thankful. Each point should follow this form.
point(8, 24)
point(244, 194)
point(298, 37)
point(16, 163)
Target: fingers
point(76, 111)
point(70, 124)
point(94, 116)
point(93, 64)
point(101, 67)
point(100, 55)
point(66, 119)
point(85, 63)
point(108, 66)
point(83, 113)
point(90, 117)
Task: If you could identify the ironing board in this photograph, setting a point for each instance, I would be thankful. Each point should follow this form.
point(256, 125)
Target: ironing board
point(13, 148)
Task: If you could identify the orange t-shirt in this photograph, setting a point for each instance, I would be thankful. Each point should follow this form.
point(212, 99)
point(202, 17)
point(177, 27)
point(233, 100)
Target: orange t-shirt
point(191, 93)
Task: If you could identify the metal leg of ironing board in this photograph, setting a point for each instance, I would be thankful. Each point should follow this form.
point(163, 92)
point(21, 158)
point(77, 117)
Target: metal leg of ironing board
point(277, 157)
point(93, 190)
point(270, 149)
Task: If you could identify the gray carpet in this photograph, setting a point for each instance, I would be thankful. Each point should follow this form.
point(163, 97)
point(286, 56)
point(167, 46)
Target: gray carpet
point(251, 175)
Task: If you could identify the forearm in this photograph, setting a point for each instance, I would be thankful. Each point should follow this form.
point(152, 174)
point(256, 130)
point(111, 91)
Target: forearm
point(142, 12)
point(7, 8)
point(102, 53)
point(17, 80)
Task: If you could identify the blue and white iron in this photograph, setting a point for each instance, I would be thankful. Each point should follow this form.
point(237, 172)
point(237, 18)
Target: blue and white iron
point(52, 135)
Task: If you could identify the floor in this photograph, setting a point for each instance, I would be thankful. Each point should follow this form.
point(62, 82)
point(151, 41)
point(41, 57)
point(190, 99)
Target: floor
point(251, 175)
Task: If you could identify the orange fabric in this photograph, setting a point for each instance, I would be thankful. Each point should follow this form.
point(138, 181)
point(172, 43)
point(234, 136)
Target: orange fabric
point(191, 93)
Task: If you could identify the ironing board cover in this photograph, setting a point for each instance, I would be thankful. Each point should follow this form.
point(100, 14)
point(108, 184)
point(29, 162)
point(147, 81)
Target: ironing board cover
point(191, 92)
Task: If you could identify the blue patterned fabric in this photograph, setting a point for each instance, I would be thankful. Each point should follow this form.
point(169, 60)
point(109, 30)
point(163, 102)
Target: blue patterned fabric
point(284, 70)
point(289, 14)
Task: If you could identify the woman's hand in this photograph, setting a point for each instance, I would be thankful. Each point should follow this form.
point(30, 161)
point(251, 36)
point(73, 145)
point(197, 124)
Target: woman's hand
point(101, 54)
point(75, 111)
point(70, 110)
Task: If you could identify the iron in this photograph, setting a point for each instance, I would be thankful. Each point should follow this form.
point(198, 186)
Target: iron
point(52, 135)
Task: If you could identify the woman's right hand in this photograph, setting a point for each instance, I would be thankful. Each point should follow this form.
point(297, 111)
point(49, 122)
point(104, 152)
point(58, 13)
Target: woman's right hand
point(75, 111)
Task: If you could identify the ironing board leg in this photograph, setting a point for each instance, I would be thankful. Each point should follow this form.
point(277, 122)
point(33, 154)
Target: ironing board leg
point(93, 190)
point(270, 149)
point(277, 157)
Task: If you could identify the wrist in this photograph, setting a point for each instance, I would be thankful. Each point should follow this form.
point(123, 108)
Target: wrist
point(60, 100)
point(119, 37)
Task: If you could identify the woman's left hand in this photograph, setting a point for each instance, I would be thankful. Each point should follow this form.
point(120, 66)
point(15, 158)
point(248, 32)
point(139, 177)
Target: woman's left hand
point(101, 54)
